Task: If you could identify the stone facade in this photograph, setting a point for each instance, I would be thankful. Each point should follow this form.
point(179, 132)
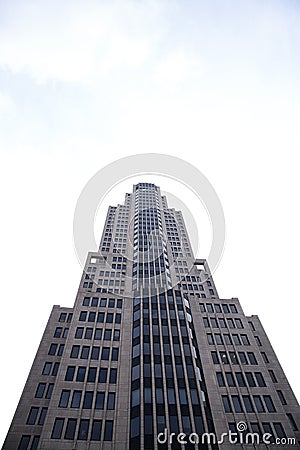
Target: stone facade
point(150, 351)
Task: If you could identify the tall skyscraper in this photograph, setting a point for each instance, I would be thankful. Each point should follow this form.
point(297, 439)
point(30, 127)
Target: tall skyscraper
point(150, 351)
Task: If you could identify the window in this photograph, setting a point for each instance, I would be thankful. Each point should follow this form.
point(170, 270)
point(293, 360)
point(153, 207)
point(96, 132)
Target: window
point(222, 323)
point(47, 368)
point(107, 335)
point(100, 317)
point(233, 358)
point(24, 442)
point(85, 352)
point(236, 403)
point(223, 357)
point(116, 336)
point(233, 308)
point(239, 323)
point(227, 339)
point(70, 429)
point(83, 429)
point(65, 334)
point(49, 390)
point(214, 323)
point(264, 356)
point(103, 302)
point(202, 307)
point(292, 422)
point(70, 373)
point(32, 416)
point(55, 369)
point(57, 428)
point(95, 353)
point(215, 358)
point(95, 301)
point(98, 334)
point(102, 375)
point(225, 308)
point(92, 375)
point(60, 349)
point(243, 358)
point(245, 339)
point(96, 430)
point(258, 341)
point(115, 354)
point(62, 317)
point(236, 339)
point(119, 303)
point(108, 430)
point(218, 339)
point(240, 379)
point(248, 403)
point(52, 349)
point(269, 403)
point(210, 339)
point(35, 442)
point(281, 397)
point(92, 316)
point(251, 326)
point(218, 308)
point(100, 400)
point(258, 404)
point(42, 416)
point(209, 308)
point(230, 323)
point(88, 333)
point(226, 403)
point(206, 322)
point(82, 316)
point(260, 379)
point(79, 333)
point(273, 377)
point(279, 430)
point(105, 353)
point(256, 429)
point(220, 379)
point(40, 390)
point(113, 376)
point(76, 399)
point(250, 379)
point(118, 318)
point(88, 400)
point(252, 358)
point(111, 400)
point(86, 301)
point(109, 318)
point(64, 398)
point(75, 351)
point(230, 379)
point(111, 303)
point(57, 332)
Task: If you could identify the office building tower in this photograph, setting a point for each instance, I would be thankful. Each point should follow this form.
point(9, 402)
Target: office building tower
point(149, 350)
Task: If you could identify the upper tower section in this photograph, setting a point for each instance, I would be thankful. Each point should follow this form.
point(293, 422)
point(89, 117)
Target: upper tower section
point(154, 242)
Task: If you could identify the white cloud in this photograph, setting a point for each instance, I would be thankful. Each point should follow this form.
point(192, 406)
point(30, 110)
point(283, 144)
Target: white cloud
point(6, 103)
point(178, 66)
point(69, 41)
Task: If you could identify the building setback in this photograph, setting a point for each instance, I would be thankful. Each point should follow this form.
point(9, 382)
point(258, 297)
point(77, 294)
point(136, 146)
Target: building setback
point(149, 349)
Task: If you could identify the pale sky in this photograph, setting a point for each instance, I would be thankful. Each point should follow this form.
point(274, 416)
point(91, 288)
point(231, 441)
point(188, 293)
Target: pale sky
point(83, 83)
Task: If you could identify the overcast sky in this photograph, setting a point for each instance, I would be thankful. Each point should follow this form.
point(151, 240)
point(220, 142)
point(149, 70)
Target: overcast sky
point(83, 83)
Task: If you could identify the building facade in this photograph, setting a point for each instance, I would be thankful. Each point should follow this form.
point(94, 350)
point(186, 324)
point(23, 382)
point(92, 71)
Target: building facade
point(150, 357)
